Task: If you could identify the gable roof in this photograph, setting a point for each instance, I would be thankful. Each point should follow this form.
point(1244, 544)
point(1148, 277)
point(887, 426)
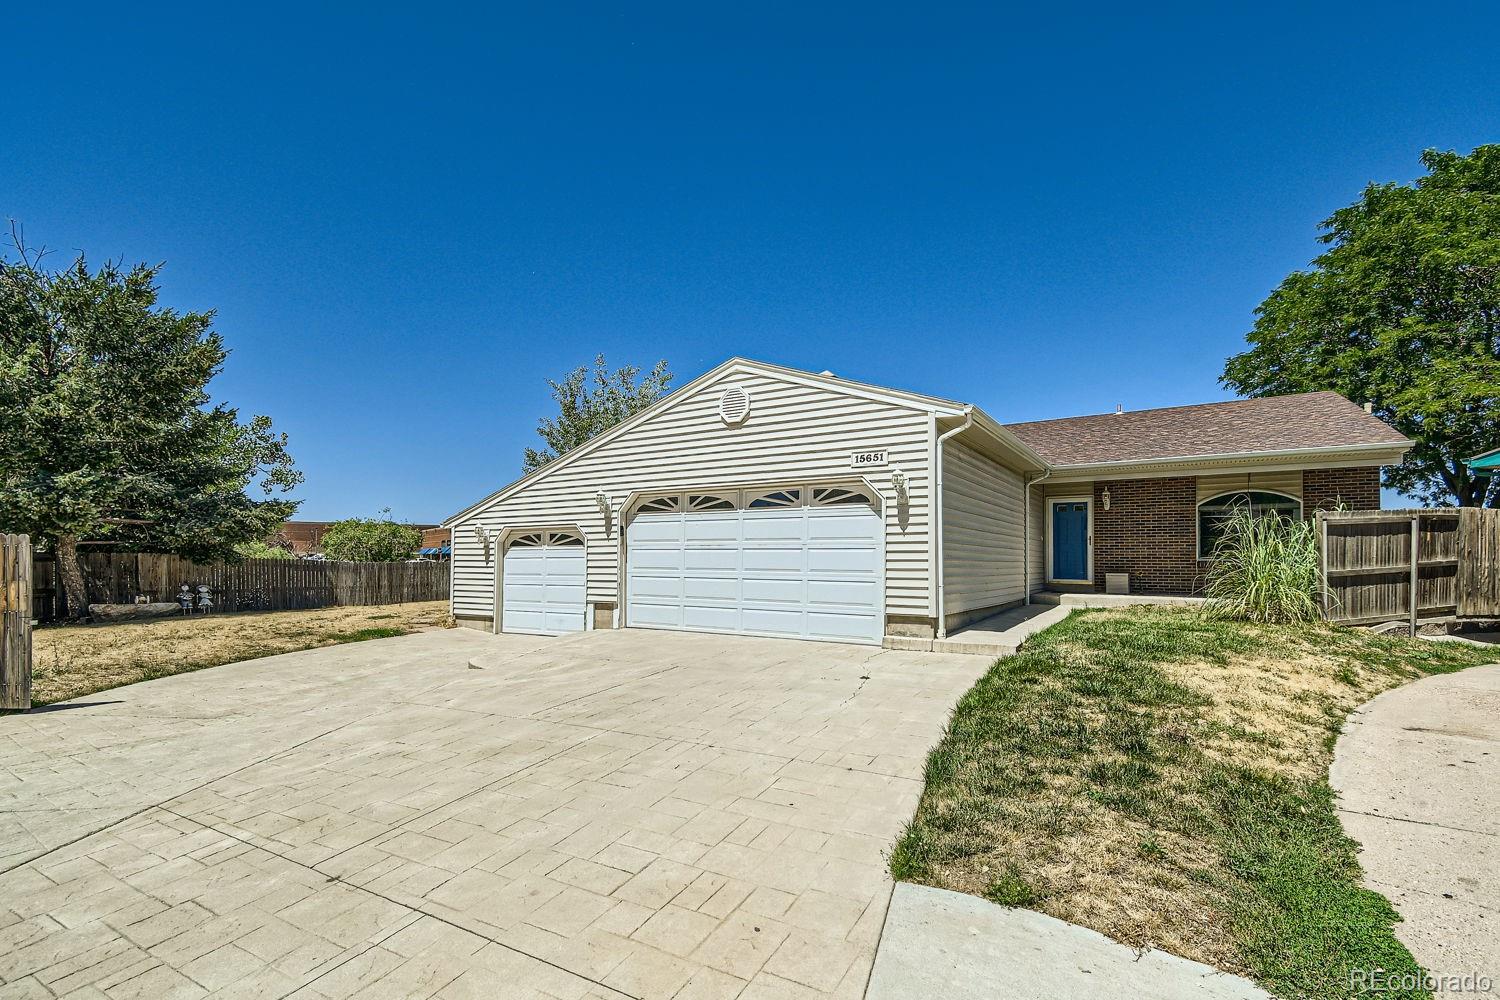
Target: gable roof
point(898, 397)
point(1308, 421)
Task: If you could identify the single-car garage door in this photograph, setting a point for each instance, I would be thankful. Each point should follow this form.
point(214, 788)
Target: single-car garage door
point(802, 562)
point(544, 583)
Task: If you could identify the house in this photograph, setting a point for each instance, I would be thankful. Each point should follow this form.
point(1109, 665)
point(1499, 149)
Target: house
point(304, 539)
point(435, 545)
point(762, 500)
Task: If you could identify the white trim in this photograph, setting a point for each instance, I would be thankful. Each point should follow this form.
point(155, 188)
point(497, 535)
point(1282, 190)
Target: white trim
point(865, 390)
point(1088, 535)
point(1198, 517)
point(1026, 530)
point(502, 540)
point(932, 545)
point(1236, 456)
point(1011, 440)
point(936, 518)
point(734, 366)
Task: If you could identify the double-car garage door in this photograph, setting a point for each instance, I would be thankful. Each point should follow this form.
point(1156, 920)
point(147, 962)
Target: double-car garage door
point(803, 562)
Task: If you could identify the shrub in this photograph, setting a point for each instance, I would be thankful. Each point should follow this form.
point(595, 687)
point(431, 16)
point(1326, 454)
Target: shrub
point(262, 550)
point(1265, 569)
point(370, 539)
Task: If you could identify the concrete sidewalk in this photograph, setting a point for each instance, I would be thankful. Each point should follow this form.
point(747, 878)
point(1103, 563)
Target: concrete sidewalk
point(1418, 775)
point(951, 945)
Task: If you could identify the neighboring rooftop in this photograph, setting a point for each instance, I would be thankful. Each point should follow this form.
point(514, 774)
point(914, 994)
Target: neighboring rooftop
point(1307, 420)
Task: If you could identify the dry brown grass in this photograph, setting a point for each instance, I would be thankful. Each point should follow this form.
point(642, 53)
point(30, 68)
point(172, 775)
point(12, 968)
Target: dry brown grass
point(1161, 777)
point(69, 661)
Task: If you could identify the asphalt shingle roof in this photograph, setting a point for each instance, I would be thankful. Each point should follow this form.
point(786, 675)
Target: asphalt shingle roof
point(1267, 423)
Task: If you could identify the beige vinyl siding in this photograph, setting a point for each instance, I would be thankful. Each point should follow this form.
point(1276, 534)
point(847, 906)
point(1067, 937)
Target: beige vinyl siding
point(1036, 568)
point(795, 433)
point(983, 531)
point(1287, 482)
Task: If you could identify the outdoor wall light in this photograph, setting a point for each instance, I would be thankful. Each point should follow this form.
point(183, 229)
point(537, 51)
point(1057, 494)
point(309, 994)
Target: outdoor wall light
point(606, 508)
point(485, 538)
point(1104, 498)
point(898, 482)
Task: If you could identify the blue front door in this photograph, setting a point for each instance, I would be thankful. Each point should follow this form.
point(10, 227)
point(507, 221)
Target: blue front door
point(1070, 540)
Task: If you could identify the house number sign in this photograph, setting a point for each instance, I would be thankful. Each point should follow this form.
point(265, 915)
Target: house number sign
point(869, 459)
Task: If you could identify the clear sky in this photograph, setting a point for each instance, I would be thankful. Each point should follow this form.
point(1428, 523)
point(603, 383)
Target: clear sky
point(409, 217)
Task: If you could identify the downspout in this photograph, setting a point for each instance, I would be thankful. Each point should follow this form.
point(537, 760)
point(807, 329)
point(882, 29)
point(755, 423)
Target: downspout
point(1026, 536)
point(937, 516)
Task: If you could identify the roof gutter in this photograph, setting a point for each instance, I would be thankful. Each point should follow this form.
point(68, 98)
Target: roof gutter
point(1403, 445)
point(937, 515)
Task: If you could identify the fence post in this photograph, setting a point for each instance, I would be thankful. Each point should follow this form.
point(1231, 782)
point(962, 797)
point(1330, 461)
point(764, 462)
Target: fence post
point(1416, 541)
point(15, 622)
point(1325, 593)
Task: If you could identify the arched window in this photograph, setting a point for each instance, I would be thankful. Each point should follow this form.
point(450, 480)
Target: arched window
point(1213, 512)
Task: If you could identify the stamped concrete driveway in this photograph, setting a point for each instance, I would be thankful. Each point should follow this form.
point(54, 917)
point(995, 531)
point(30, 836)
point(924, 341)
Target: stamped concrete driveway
point(452, 814)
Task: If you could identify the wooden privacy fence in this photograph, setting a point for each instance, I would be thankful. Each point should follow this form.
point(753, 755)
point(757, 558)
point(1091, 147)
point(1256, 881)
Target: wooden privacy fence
point(15, 622)
point(1410, 565)
point(251, 585)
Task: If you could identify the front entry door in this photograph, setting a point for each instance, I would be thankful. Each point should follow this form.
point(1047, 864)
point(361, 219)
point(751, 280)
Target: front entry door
point(1070, 539)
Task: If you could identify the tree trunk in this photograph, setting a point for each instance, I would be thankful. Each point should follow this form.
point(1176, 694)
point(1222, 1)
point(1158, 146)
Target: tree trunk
point(72, 575)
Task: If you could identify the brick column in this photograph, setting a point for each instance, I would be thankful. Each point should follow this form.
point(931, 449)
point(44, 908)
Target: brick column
point(1150, 531)
point(1356, 489)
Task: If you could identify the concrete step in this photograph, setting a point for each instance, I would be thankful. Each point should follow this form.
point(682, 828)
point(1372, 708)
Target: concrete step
point(1114, 600)
point(953, 644)
point(980, 647)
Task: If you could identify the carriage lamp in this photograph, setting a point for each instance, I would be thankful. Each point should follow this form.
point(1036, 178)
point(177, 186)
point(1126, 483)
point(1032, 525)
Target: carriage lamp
point(484, 538)
point(601, 499)
point(1104, 498)
point(898, 482)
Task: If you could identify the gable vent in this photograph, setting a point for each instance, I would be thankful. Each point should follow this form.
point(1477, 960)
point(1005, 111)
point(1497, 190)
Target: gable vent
point(734, 405)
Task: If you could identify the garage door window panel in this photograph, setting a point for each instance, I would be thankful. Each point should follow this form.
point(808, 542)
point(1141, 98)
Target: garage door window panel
point(776, 498)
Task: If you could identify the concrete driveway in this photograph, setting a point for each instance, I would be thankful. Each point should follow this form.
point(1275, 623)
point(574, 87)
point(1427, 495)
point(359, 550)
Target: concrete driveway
point(452, 814)
point(1417, 771)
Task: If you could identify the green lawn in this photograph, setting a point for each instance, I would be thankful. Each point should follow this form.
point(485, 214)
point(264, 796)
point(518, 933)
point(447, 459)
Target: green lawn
point(1163, 778)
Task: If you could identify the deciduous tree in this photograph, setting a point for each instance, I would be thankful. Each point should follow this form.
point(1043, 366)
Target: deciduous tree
point(591, 402)
point(1401, 311)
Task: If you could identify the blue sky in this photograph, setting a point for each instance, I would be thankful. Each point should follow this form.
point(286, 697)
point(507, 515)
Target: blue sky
point(408, 218)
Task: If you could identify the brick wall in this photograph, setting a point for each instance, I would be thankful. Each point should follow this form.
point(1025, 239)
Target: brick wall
point(1356, 489)
point(1151, 528)
point(1150, 531)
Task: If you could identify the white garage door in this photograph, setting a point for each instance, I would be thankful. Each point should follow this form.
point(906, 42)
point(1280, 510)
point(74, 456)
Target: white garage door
point(802, 562)
point(544, 585)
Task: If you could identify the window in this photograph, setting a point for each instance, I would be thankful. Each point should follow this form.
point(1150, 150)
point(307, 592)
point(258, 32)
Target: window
point(526, 541)
point(1212, 514)
point(707, 501)
point(661, 505)
point(564, 538)
point(829, 496)
point(777, 498)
